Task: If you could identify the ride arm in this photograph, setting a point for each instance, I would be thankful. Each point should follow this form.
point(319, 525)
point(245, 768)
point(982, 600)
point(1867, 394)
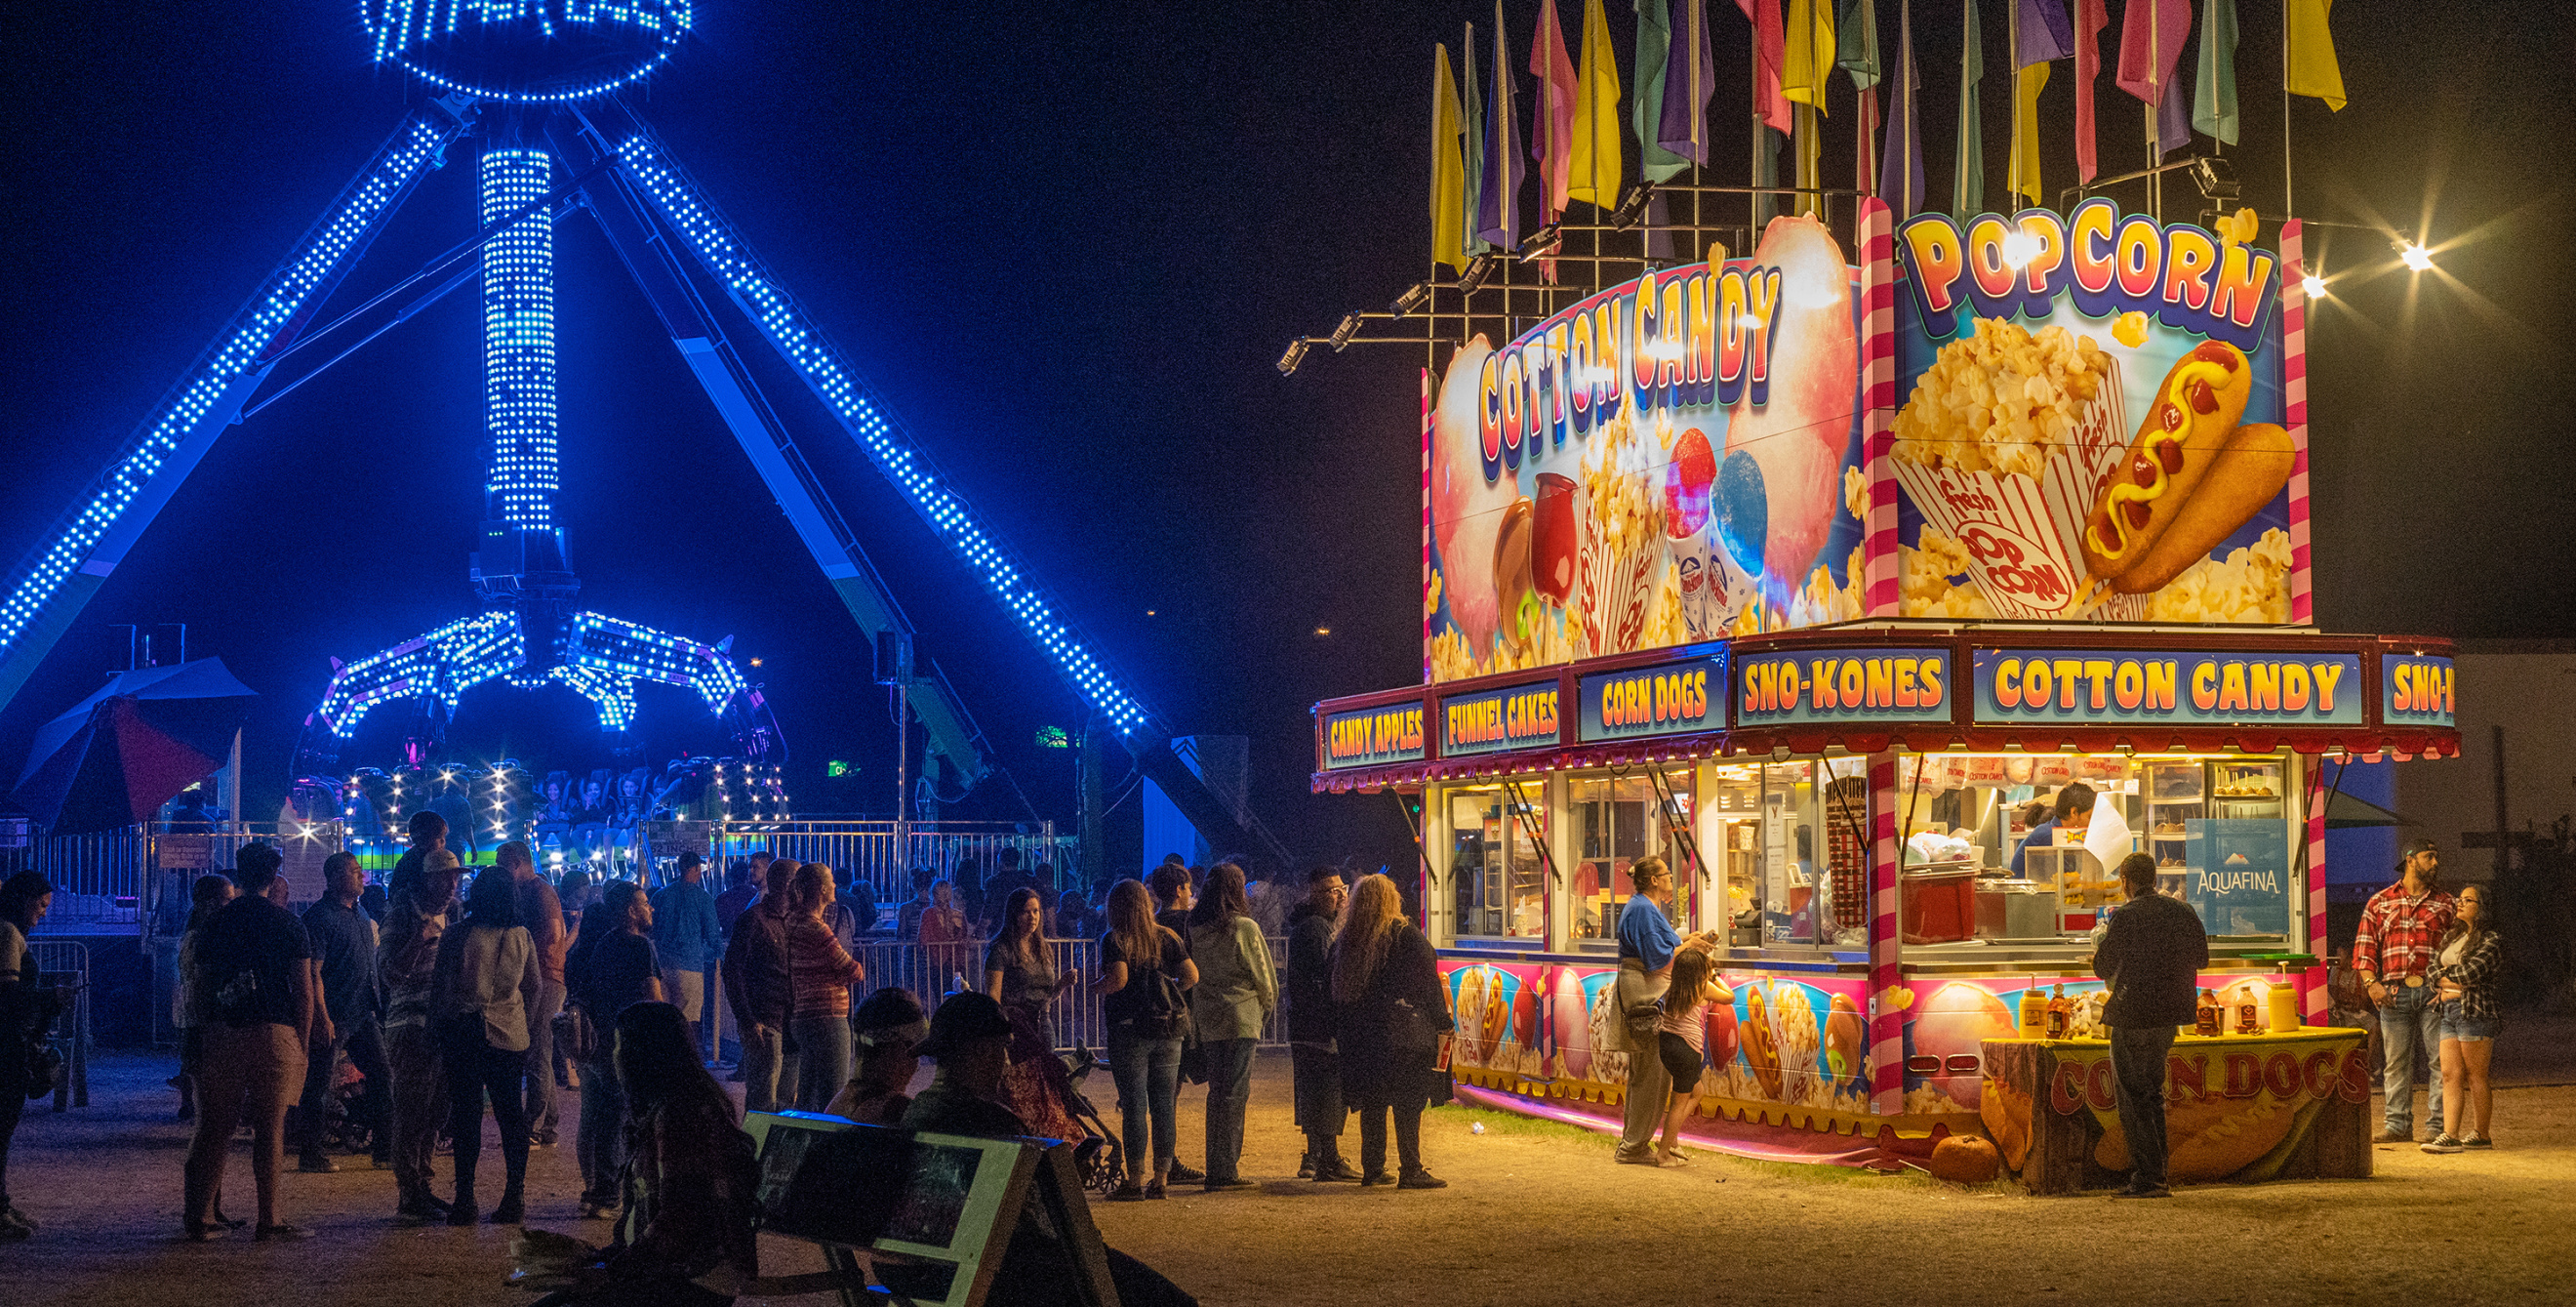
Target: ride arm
point(73, 559)
point(951, 733)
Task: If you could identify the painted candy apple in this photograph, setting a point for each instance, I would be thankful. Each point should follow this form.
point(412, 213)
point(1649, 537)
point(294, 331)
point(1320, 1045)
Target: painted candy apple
point(1842, 1039)
point(1466, 509)
point(1570, 1016)
point(1719, 1026)
point(1798, 435)
point(1955, 1022)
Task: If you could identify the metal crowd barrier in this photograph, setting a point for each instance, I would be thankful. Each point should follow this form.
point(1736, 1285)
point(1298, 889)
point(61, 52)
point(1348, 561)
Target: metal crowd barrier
point(64, 962)
point(933, 971)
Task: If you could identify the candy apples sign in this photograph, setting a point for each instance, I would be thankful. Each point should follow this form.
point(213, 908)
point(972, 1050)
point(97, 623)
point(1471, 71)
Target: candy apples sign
point(2094, 423)
point(1662, 462)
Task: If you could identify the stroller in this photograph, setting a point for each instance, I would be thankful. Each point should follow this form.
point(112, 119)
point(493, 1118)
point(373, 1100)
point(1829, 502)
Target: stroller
point(1097, 1154)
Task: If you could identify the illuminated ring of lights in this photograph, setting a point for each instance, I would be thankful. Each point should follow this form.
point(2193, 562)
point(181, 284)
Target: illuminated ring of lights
point(417, 33)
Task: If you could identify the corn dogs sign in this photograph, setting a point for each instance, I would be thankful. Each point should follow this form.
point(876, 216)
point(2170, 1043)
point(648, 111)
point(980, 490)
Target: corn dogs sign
point(2110, 687)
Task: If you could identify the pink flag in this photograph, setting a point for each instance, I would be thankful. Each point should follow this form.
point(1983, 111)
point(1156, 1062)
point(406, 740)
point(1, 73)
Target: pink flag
point(2152, 33)
point(2089, 22)
point(1771, 39)
point(1552, 122)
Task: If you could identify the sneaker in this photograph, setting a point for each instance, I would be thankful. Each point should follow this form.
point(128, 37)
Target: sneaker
point(512, 1211)
point(1187, 1175)
point(1222, 1186)
point(594, 1210)
point(1130, 1192)
point(1418, 1179)
point(2444, 1143)
point(1157, 1191)
point(1641, 1159)
point(461, 1213)
point(1306, 1167)
point(2477, 1141)
point(317, 1164)
point(1334, 1169)
point(279, 1231)
point(2143, 1191)
point(2393, 1137)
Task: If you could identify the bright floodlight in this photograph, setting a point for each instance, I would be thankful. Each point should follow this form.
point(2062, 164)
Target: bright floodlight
point(531, 50)
point(2020, 248)
point(2416, 257)
point(2313, 286)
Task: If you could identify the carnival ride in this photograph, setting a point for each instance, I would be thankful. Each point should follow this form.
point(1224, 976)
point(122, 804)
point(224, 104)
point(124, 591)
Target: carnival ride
point(534, 86)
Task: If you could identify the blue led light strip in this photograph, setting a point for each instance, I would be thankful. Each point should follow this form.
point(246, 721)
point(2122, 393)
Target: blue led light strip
point(409, 31)
point(519, 339)
point(242, 349)
point(607, 657)
point(868, 420)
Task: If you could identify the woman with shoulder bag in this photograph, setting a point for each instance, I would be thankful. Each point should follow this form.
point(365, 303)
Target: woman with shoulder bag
point(1144, 978)
point(1390, 1011)
point(1236, 991)
point(485, 987)
point(1647, 943)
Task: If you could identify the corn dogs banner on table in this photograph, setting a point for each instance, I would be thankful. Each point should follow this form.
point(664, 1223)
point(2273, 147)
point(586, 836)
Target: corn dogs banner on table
point(2092, 422)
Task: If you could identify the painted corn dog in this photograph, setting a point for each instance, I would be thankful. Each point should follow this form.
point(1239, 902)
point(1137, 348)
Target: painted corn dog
point(2197, 406)
point(2249, 470)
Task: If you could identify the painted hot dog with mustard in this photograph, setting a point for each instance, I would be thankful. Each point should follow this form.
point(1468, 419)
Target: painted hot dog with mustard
point(2250, 469)
point(2194, 411)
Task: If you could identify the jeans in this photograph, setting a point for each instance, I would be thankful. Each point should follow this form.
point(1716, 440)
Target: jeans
point(823, 1059)
point(541, 1059)
point(2410, 1019)
point(2138, 1057)
point(474, 1069)
point(1148, 1072)
point(768, 1070)
point(1408, 1137)
point(2456, 1025)
point(366, 1049)
point(420, 1103)
point(1650, 1087)
point(1229, 1064)
point(601, 1145)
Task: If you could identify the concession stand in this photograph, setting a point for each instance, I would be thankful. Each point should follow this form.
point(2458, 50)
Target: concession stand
point(1828, 678)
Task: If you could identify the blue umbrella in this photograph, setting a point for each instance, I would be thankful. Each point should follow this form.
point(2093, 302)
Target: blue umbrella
point(121, 753)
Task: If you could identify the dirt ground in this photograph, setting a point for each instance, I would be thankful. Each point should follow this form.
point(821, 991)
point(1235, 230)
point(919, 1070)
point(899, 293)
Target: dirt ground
point(1536, 1212)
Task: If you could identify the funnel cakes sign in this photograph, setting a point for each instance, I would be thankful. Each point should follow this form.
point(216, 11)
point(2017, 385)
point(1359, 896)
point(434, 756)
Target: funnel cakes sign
point(1660, 463)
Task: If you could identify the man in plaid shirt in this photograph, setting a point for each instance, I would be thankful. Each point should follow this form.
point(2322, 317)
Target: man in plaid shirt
point(2401, 931)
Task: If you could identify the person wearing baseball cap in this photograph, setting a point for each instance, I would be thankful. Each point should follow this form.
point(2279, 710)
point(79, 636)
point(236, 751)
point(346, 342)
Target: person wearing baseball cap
point(890, 1030)
point(970, 1039)
point(2395, 946)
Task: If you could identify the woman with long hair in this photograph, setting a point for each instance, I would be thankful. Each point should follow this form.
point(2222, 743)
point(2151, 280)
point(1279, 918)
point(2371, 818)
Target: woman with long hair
point(1144, 1032)
point(2464, 976)
point(1681, 1039)
point(821, 972)
point(1236, 991)
point(1390, 1011)
point(611, 968)
point(1020, 974)
point(210, 892)
point(484, 988)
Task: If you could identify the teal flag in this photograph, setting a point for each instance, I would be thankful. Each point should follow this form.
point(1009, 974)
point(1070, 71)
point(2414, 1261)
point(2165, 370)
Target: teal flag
point(2213, 108)
point(1654, 48)
point(1968, 192)
point(1475, 148)
point(1858, 43)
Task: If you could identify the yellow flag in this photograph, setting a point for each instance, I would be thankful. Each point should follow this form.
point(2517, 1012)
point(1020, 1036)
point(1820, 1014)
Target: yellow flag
point(2313, 70)
point(1594, 172)
point(2025, 131)
point(1808, 61)
point(1448, 169)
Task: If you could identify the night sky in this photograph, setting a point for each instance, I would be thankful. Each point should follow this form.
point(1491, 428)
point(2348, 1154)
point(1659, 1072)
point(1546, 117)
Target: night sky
point(1068, 246)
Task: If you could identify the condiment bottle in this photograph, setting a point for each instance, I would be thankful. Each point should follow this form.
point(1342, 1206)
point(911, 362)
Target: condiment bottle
point(2283, 1001)
point(2249, 1014)
point(2061, 1014)
point(2206, 1020)
point(2034, 1014)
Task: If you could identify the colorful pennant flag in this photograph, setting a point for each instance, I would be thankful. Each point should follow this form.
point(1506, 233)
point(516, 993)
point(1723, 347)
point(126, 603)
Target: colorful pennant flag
point(2173, 116)
point(1552, 117)
point(1498, 201)
point(2043, 33)
point(1594, 175)
point(2089, 22)
point(1809, 62)
point(2213, 105)
point(1857, 41)
point(1690, 78)
point(1968, 188)
point(1448, 173)
point(2027, 84)
point(1654, 50)
point(1900, 179)
point(2313, 69)
point(2152, 33)
point(1474, 191)
point(1771, 54)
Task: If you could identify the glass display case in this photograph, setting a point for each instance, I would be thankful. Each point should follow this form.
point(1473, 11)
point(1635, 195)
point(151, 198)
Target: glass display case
point(1616, 820)
point(1496, 866)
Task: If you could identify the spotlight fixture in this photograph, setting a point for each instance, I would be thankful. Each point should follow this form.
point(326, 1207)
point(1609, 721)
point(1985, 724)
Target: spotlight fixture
point(1543, 242)
point(2216, 178)
point(1415, 297)
point(1296, 354)
point(2313, 286)
point(1478, 269)
point(1632, 206)
point(1343, 330)
point(2414, 256)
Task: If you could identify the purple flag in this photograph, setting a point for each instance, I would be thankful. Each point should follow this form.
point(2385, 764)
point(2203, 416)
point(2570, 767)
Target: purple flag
point(2044, 33)
point(1690, 78)
point(1900, 177)
point(2173, 116)
point(1498, 200)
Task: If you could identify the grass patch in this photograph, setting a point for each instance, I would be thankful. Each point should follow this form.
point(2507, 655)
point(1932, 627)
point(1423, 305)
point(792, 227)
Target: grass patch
point(1512, 1123)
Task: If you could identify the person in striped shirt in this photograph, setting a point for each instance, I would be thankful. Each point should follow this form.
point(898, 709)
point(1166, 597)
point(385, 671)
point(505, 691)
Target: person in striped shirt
point(821, 972)
point(2392, 952)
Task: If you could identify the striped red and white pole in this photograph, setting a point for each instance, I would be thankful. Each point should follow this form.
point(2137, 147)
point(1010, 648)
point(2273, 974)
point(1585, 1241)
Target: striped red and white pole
point(2294, 397)
point(1880, 594)
point(1886, 975)
point(2314, 983)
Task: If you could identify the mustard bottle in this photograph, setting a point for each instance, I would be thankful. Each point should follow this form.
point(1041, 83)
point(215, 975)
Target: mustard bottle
point(2034, 1014)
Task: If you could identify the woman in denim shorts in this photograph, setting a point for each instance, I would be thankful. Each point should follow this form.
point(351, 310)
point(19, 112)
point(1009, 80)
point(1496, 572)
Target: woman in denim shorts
point(2464, 975)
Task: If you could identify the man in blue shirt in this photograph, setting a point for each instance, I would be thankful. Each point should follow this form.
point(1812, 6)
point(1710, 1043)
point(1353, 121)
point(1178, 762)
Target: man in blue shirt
point(343, 944)
point(1647, 943)
point(686, 938)
point(2074, 808)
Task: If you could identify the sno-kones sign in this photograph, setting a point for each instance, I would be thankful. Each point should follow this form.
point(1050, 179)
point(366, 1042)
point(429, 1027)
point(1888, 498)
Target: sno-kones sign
point(1658, 463)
